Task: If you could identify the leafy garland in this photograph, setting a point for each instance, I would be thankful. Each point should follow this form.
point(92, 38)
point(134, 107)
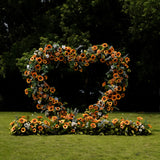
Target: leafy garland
point(115, 84)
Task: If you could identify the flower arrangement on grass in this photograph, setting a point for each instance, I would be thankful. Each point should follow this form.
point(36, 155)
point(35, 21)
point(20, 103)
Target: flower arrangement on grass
point(94, 120)
point(84, 125)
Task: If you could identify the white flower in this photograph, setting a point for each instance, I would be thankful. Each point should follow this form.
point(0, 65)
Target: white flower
point(63, 46)
point(39, 102)
point(27, 125)
point(47, 55)
point(73, 124)
point(28, 67)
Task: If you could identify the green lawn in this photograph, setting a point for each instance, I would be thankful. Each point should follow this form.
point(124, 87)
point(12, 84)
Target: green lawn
point(80, 147)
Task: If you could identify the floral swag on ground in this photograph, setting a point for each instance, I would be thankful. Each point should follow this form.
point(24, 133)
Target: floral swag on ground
point(95, 119)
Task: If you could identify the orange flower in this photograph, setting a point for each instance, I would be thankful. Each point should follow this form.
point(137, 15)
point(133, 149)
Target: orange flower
point(102, 60)
point(139, 118)
point(114, 121)
point(39, 60)
point(26, 91)
point(115, 75)
point(93, 57)
point(37, 67)
point(103, 84)
point(34, 74)
point(54, 118)
point(118, 54)
point(138, 123)
point(58, 109)
point(94, 48)
point(52, 89)
point(104, 99)
point(104, 45)
point(51, 108)
point(65, 126)
point(56, 126)
point(28, 80)
point(22, 120)
point(39, 117)
point(26, 73)
point(127, 59)
point(34, 130)
point(23, 129)
point(40, 78)
point(34, 121)
point(93, 125)
point(149, 126)
point(49, 46)
point(40, 128)
point(127, 122)
point(91, 107)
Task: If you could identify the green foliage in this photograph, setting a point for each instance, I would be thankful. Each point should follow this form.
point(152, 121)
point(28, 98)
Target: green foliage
point(145, 16)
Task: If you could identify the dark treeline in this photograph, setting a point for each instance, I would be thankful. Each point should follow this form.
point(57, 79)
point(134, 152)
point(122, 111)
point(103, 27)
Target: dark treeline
point(129, 25)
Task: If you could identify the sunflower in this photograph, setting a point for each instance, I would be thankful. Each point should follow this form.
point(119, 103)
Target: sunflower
point(58, 109)
point(49, 46)
point(22, 120)
point(93, 57)
point(127, 122)
point(127, 59)
point(34, 121)
point(105, 52)
point(26, 91)
point(23, 129)
point(40, 78)
point(115, 60)
point(52, 89)
point(26, 73)
point(104, 45)
point(39, 117)
point(114, 121)
point(139, 118)
point(54, 118)
point(39, 60)
point(40, 128)
point(61, 58)
point(38, 106)
point(96, 107)
point(37, 67)
point(102, 60)
point(51, 108)
point(34, 74)
point(94, 48)
point(65, 126)
point(138, 123)
point(90, 107)
point(34, 130)
point(118, 54)
point(115, 75)
point(118, 96)
point(73, 131)
point(56, 126)
point(28, 80)
point(93, 125)
point(104, 99)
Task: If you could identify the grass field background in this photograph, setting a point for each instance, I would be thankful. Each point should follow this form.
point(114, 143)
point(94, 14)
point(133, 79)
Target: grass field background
point(80, 147)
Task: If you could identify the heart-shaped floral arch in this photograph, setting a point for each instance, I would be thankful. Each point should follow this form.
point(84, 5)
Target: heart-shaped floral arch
point(115, 82)
point(94, 120)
